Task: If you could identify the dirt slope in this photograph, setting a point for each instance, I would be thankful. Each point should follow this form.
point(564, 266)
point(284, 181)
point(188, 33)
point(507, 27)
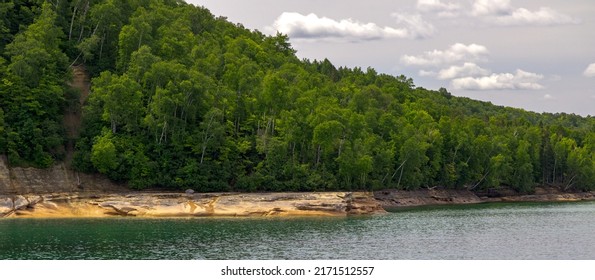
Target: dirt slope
point(73, 114)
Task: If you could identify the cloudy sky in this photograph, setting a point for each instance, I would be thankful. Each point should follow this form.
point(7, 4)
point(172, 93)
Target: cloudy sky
point(537, 55)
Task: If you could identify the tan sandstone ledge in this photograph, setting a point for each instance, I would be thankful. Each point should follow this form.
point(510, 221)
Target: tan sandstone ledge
point(67, 205)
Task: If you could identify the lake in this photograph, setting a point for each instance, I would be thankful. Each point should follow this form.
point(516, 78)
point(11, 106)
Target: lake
point(483, 231)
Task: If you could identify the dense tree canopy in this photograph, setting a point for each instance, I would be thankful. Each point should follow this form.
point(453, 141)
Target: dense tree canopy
point(182, 99)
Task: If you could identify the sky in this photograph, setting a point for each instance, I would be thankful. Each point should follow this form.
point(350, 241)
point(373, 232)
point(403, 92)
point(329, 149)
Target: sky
point(535, 55)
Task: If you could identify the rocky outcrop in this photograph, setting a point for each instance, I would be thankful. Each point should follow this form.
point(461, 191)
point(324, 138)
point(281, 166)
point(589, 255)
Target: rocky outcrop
point(56, 179)
point(361, 203)
point(400, 198)
point(544, 197)
point(60, 192)
point(189, 205)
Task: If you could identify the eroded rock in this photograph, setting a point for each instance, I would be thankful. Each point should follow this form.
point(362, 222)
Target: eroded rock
point(57, 178)
point(399, 198)
point(20, 202)
point(6, 206)
point(182, 205)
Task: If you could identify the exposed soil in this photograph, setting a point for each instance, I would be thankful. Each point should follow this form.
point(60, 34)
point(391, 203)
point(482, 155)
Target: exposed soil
point(73, 114)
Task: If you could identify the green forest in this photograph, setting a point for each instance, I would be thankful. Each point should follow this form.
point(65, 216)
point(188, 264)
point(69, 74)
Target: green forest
point(182, 99)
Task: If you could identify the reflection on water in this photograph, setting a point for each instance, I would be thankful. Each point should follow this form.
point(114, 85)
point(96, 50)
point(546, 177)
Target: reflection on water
point(487, 231)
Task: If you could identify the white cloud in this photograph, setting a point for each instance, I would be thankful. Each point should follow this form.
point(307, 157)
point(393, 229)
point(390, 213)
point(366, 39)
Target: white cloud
point(458, 64)
point(501, 12)
point(491, 7)
point(549, 97)
point(297, 25)
point(468, 69)
point(454, 54)
point(519, 80)
point(416, 26)
point(590, 71)
point(543, 16)
point(436, 6)
point(425, 73)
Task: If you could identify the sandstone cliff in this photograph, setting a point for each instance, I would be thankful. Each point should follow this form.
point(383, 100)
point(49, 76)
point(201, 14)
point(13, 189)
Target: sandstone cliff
point(56, 179)
point(189, 205)
point(60, 192)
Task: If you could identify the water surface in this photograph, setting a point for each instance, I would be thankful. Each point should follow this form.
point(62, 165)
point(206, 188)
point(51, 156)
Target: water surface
point(486, 231)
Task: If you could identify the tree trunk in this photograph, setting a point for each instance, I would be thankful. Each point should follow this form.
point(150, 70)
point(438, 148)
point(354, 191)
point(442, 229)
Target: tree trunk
point(113, 122)
point(163, 133)
point(72, 23)
point(554, 174)
point(400, 176)
point(341, 144)
point(318, 151)
point(480, 180)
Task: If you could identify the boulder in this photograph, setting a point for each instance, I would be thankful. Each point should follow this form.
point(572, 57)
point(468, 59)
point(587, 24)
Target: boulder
point(20, 202)
point(6, 205)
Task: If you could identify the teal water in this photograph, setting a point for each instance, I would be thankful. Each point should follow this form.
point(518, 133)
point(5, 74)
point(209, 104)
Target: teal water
point(486, 231)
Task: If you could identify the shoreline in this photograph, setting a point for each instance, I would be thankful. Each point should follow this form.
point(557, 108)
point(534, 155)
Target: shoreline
point(168, 204)
point(313, 204)
point(427, 197)
point(61, 192)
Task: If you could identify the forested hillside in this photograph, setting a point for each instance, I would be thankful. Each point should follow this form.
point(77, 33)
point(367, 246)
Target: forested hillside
point(182, 99)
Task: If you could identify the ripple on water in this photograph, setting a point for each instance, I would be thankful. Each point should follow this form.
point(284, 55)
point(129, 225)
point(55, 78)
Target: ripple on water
point(489, 231)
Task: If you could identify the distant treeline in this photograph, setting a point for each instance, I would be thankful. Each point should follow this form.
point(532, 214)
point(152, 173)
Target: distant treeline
point(182, 99)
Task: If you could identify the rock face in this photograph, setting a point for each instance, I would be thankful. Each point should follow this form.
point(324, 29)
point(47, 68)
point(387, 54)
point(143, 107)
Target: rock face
point(400, 198)
point(56, 179)
point(541, 197)
point(188, 205)
point(60, 192)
